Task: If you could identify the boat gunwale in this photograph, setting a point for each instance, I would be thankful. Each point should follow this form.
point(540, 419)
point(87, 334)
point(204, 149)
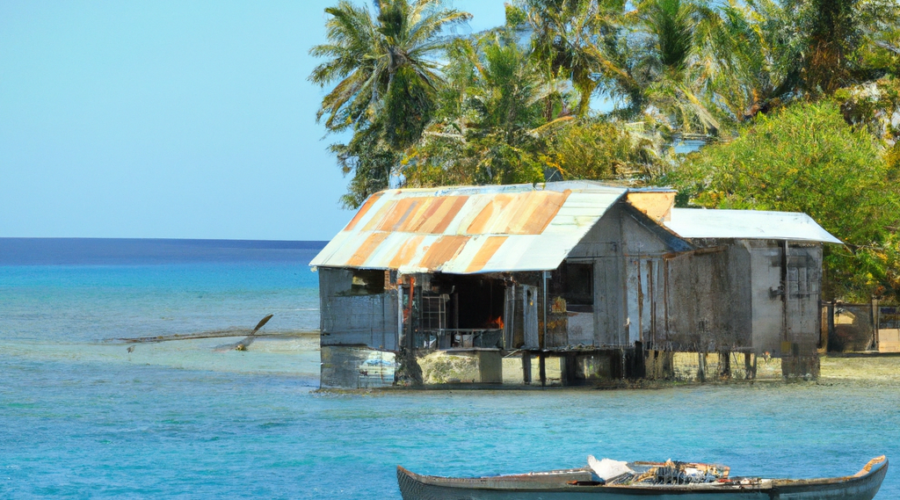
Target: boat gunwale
point(871, 469)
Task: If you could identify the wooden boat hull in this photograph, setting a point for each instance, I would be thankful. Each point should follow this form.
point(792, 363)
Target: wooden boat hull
point(556, 486)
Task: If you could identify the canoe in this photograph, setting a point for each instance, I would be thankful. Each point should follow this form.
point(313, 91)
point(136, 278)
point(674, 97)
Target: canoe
point(648, 481)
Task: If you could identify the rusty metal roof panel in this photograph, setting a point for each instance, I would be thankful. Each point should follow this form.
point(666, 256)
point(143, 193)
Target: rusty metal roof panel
point(747, 224)
point(474, 255)
point(466, 230)
point(400, 249)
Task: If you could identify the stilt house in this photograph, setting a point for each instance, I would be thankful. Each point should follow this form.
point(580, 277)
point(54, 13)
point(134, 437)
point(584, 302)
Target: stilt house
point(564, 283)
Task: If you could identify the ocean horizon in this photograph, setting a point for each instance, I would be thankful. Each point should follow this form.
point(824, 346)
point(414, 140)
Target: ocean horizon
point(84, 416)
point(135, 251)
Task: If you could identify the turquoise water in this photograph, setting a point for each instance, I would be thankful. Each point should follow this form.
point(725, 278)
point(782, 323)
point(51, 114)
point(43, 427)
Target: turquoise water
point(82, 418)
point(95, 302)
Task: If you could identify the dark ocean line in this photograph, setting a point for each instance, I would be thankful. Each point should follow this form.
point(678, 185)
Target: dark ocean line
point(137, 251)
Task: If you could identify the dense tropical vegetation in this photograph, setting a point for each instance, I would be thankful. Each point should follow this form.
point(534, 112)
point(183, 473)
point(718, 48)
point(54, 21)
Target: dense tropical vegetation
point(797, 101)
point(808, 159)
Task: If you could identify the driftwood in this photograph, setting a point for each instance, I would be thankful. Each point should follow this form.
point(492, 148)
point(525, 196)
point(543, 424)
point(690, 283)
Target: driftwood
point(212, 334)
point(236, 332)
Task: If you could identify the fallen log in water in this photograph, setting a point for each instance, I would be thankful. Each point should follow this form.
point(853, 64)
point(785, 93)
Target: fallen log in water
point(236, 332)
point(212, 334)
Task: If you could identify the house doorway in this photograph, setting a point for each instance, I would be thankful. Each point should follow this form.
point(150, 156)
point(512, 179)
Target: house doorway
point(474, 312)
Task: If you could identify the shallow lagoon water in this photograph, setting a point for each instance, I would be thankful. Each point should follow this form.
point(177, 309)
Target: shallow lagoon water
point(86, 419)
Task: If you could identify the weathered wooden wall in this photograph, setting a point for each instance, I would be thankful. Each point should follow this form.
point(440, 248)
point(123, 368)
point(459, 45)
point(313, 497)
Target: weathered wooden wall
point(788, 313)
point(723, 294)
point(628, 253)
point(709, 299)
point(602, 246)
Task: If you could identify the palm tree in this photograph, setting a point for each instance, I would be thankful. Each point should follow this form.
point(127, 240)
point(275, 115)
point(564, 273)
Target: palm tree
point(833, 33)
point(676, 62)
point(568, 37)
point(778, 50)
point(386, 69)
point(490, 125)
point(387, 64)
point(755, 43)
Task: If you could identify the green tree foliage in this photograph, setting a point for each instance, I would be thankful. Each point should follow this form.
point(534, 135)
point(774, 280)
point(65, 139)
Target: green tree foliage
point(677, 62)
point(670, 21)
point(751, 46)
point(427, 108)
point(875, 105)
point(806, 158)
point(567, 37)
point(601, 150)
point(488, 119)
point(709, 66)
point(830, 34)
point(779, 50)
point(386, 72)
point(881, 29)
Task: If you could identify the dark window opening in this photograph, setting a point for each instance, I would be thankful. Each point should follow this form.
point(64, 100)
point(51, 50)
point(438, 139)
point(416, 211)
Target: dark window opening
point(367, 282)
point(460, 311)
point(480, 302)
point(579, 283)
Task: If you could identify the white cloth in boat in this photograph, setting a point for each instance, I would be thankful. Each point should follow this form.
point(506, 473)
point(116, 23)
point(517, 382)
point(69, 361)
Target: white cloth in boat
point(607, 469)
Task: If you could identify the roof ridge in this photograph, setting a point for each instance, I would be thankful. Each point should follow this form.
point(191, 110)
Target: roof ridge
point(746, 210)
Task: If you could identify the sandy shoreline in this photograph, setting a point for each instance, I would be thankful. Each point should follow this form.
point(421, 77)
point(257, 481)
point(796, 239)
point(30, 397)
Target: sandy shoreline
point(881, 369)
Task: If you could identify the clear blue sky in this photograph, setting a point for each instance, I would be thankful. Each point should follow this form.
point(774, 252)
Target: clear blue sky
point(168, 119)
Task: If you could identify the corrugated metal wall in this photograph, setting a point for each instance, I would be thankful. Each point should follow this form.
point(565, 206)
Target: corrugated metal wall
point(348, 319)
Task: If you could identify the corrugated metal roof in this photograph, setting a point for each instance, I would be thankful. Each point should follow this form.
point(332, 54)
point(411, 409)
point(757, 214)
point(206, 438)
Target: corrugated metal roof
point(747, 224)
point(468, 230)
